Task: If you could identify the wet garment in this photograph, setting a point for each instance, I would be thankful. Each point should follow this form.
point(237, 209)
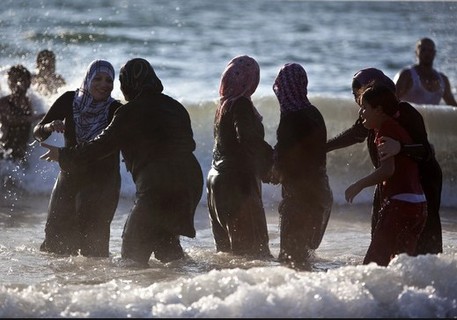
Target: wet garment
point(403, 214)
point(405, 178)
point(82, 202)
point(418, 94)
point(397, 231)
point(153, 132)
point(300, 159)
point(430, 240)
point(241, 158)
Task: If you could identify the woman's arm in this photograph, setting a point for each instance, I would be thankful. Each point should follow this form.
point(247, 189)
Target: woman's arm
point(355, 134)
point(53, 119)
point(390, 147)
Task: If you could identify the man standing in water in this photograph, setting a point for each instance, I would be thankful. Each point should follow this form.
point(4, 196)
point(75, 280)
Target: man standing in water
point(421, 83)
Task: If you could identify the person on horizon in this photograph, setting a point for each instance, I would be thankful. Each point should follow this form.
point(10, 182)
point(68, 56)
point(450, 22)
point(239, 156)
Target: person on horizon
point(242, 159)
point(421, 150)
point(83, 202)
point(16, 116)
point(46, 81)
point(153, 131)
point(421, 83)
point(404, 207)
point(300, 162)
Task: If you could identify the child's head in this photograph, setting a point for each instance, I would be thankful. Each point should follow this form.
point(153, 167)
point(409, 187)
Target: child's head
point(19, 79)
point(377, 101)
point(46, 61)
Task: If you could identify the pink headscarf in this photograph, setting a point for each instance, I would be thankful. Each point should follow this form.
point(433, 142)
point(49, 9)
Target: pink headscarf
point(239, 79)
point(291, 88)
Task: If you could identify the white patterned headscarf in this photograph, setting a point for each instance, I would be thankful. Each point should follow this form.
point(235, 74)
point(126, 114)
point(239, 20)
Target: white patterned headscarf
point(91, 117)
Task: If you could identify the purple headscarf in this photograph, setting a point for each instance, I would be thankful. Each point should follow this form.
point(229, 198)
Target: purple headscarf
point(291, 88)
point(239, 79)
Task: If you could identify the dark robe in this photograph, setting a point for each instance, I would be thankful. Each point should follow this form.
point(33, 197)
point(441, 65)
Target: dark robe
point(154, 134)
point(300, 159)
point(83, 202)
point(241, 159)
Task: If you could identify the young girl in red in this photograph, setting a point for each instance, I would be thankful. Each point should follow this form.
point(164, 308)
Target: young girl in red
point(403, 213)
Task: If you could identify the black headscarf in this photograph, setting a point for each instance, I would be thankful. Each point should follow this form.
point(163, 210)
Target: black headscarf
point(135, 75)
point(365, 76)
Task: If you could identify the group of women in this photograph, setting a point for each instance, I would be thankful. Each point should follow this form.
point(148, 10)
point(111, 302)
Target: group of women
point(153, 132)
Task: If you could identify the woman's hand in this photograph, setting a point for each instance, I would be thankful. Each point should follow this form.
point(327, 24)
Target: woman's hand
point(52, 154)
point(272, 176)
point(388, 148)
point(55, 125)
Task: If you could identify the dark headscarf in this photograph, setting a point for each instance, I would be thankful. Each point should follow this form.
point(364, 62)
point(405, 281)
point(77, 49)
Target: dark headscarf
point(135, 75)
point(366, 76)
point(291, 88)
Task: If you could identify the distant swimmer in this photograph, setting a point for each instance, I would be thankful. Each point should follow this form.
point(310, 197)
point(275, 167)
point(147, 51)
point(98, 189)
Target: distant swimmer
point(16, 116)
point(421, 83)
point(46, 81)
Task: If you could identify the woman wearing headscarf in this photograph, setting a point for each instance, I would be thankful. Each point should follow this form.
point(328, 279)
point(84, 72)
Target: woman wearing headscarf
point(430, 240)
point(300, 166)
point(241, 159)
point(83, 202)
point(153, 131)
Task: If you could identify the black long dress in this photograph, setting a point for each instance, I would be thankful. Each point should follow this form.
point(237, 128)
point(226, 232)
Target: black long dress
point(300, 159)
point(82, 202)
point(241, 158)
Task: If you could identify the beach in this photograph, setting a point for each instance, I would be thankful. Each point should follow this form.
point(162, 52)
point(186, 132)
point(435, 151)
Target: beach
point(189, 44)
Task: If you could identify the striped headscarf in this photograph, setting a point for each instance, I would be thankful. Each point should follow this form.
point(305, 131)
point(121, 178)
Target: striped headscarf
point(91, 117)
point(291, 88)
point(239, 79)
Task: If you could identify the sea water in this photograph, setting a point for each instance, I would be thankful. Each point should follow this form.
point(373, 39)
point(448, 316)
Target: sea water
point(189, 43)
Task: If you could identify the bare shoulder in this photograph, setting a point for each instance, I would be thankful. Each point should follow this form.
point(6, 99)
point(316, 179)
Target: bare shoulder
point(403, 75)
point(405, 72)
point(445, 78)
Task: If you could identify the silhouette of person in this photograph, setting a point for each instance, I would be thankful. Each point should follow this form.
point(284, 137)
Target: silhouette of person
point(16, 116)
point(300, 162)
point(421, 150)
point(403, 211)
point(154, 133)
point(46, 81)
point(241, 161)
point(83, 203)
